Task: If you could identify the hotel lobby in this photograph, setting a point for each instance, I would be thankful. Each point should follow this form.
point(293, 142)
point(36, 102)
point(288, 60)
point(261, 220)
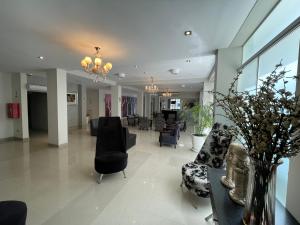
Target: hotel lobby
point(114, 112)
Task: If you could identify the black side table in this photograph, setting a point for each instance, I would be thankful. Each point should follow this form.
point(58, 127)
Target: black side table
point(226, 212)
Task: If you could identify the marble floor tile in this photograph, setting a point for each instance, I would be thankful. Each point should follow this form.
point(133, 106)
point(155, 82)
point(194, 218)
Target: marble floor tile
point(58, 184)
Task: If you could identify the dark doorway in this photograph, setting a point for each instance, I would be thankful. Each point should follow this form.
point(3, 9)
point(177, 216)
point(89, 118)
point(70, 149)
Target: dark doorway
point(37, 111)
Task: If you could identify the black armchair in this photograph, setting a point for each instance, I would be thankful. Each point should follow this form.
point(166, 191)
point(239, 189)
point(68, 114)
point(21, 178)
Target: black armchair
point(144, 123)
point(94, 127)
point(13, 213)
point(169, 137)
point(160, 122)
point(130, 139)
point(131, 121)
point(182, 125)
point(111, 156)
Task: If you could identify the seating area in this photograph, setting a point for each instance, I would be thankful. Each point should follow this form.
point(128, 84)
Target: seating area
point(145, 112)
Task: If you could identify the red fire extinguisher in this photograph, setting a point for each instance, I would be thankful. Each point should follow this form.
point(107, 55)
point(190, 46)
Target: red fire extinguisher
point(13, 110)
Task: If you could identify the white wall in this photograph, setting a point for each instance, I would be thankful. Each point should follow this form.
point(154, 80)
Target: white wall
point(116, 93)
point(92, 96)
point(19, 92)
point(293, 197)
point(73, 110)
point(6, 124)
point(82, 106)
point(227, 63)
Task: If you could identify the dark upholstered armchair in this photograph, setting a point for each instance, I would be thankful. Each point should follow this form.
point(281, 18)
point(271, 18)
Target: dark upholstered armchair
point(212, 154)
point(94, 127)
point(169, 137)
point(131, 121)
point(144, 123)
point(111, 156)
point(13, 213)
point(160, 122)
point(182, 125)
point(130, 139)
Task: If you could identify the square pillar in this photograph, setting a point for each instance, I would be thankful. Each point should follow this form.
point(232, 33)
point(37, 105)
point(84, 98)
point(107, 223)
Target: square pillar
point(227, 62)
point(207, 98)
point(140, 103)
point(101, 102)
point(147, 103)
point(116, 92)
point(82, 106)
point(19, 93)
point(57, 107)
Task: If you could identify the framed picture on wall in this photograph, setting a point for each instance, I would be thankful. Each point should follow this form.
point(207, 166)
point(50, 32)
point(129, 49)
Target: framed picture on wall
point(72, 98)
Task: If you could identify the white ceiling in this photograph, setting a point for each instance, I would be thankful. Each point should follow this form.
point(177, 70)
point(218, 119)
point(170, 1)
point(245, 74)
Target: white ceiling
point(146, 33)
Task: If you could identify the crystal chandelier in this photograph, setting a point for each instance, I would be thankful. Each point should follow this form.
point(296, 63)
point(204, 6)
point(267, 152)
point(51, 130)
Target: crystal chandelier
point(152, 88)
point(167, 94)
point(96, 66)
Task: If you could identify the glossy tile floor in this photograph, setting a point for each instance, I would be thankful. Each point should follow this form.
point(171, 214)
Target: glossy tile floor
point(59, 185)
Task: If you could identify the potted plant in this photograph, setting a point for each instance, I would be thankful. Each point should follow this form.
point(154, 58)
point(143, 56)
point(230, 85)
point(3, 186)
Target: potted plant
point(200, 118)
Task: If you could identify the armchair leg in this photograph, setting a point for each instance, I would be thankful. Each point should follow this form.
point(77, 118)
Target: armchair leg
point(99, 178)
point(124, 173)
point(209, 217)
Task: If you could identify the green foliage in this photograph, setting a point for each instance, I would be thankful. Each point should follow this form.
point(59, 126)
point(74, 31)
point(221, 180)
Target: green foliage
point(198, 116)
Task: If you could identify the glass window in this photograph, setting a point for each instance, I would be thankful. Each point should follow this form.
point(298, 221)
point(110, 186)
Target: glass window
point(248, 79)
point(283, 15)
point(286, 50)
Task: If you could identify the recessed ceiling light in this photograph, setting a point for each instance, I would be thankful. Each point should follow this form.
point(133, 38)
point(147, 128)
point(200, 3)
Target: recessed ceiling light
point(188, 60)
point(175, 71)
point(41, 57)
point(188, 33)
point(183, 85)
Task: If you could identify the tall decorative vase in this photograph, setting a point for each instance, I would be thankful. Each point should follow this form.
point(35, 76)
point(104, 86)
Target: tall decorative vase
point(260, 200)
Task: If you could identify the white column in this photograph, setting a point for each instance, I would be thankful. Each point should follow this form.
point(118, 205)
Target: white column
point(57, 107)
point(140, 103)
point(19, 82)
point(116, 92)
point(82, 106)
point(101, 102)
point(228, 61)
point(147, 103)
point(207, 98)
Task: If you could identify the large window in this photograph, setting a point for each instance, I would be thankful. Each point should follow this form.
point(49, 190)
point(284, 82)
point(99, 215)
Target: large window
point(284, 14)
point(287, 51)
point(248, 78)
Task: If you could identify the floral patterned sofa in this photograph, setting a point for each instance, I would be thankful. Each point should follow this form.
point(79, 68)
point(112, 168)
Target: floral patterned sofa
point(212, 154)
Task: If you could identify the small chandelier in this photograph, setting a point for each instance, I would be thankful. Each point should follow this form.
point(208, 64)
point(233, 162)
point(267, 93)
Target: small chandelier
point(152, 88)
point(167, 94)
point(96, 66)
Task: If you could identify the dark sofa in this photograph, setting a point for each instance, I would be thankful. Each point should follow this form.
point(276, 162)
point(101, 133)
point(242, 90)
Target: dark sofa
point(94, 127)
point(130, 139)
point(13, 213)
